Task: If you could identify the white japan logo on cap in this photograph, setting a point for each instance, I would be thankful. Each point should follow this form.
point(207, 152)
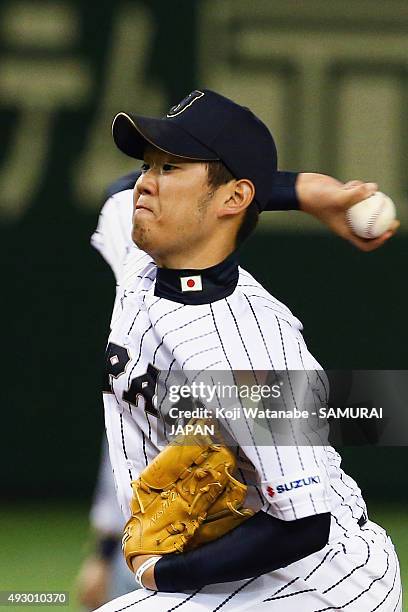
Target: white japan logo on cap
point(185, 103)
point(191, 283)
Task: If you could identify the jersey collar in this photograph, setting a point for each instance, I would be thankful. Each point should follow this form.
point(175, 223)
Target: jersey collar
point(193, 286)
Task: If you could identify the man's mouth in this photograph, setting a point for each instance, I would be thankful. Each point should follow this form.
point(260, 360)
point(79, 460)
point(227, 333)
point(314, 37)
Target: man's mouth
point(142, 207)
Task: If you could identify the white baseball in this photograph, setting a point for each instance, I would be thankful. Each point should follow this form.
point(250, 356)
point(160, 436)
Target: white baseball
point(372, 217)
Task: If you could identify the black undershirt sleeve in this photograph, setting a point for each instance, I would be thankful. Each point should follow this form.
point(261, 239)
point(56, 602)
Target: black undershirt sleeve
point(283, 195)
point(261, 544)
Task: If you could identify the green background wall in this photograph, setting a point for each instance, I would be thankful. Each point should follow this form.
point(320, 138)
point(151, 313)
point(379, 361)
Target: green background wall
point(57, 293)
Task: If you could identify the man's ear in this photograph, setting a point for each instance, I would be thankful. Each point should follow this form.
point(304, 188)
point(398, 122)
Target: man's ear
point(238, 196)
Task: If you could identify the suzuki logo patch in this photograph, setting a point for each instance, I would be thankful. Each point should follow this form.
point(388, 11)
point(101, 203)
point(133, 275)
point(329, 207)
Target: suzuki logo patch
point(191, 283)
point(292, 487)
point(298, 484)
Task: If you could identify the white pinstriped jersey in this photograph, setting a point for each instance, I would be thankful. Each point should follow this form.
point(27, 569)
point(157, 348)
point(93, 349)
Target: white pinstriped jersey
point(105, 515)
point(248, 330)
point(358, 569)
point(112, 238)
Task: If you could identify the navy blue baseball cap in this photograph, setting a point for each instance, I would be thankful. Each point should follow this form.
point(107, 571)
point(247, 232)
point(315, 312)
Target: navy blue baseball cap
point(206, 126)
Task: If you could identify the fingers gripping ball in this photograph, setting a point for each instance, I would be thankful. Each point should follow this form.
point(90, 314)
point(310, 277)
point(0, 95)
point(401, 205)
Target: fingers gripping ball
point(372, 217)
point(172, 496)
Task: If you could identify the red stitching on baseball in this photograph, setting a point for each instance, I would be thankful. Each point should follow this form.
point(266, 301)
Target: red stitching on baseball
point(374, 218)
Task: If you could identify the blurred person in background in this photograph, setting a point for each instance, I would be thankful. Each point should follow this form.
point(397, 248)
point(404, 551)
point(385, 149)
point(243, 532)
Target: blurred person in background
point(104, 574)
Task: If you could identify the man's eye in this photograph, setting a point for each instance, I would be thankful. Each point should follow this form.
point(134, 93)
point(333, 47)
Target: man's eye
point(144, 167)
point(168, 167)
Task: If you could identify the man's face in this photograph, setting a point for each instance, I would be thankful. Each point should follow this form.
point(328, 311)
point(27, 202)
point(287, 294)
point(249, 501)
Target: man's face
point(173, 210)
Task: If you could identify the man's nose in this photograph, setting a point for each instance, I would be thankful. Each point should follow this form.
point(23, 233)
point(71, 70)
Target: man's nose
point(146, 184)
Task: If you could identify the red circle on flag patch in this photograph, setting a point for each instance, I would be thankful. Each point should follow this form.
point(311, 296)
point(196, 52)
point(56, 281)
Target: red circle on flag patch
point(190, 282)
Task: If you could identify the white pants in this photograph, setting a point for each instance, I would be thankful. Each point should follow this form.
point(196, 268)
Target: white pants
point(359, 573)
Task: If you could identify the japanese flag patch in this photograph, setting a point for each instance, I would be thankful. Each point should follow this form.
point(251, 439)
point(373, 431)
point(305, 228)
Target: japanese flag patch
point(191, 283)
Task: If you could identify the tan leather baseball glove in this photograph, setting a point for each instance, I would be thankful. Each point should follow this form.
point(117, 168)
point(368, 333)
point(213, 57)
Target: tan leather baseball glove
point(184, 498)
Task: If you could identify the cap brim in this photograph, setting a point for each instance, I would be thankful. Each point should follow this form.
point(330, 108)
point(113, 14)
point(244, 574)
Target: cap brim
point(133, 133)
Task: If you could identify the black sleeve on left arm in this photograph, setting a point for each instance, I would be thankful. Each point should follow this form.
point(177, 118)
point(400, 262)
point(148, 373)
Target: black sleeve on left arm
point(261, 544)
point(283, 196)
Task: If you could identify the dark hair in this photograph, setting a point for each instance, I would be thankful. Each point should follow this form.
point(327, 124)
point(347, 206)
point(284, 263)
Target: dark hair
point(218, 174)
point(249, 223)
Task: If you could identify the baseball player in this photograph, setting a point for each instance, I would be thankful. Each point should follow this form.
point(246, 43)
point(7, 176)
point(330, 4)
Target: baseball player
point(104, 573)
point(183, 303)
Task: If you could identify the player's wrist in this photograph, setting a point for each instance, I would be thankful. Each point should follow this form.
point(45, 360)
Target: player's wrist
point(313, 189)
point(143, 566)
point(148, 579)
